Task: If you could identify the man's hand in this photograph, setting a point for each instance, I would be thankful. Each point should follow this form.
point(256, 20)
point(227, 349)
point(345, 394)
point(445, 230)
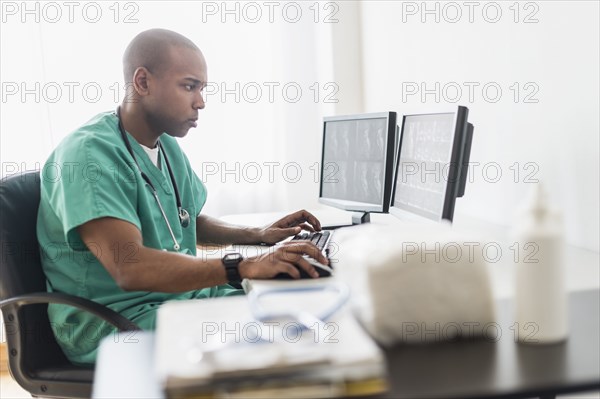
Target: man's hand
point(288, 226)
point(285, 258)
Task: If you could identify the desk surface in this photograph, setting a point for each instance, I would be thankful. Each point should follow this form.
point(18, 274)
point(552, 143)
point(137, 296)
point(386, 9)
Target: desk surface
point(502, 369)
point(583, 272)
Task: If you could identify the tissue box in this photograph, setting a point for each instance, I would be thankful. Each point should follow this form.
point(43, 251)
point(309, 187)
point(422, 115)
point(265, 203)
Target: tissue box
point(416, 283)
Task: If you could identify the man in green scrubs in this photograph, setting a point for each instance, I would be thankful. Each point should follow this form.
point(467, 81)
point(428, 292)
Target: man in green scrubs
point(112, 236)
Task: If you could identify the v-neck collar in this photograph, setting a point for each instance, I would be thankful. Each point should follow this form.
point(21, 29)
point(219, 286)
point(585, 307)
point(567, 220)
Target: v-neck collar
point(158, 176)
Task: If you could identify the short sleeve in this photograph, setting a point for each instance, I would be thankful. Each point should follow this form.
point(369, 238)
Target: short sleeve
point(89, 178)
point(200, 192)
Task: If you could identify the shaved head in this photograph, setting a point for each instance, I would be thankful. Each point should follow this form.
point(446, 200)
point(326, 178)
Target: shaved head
point(151, 49)
point(165, 75)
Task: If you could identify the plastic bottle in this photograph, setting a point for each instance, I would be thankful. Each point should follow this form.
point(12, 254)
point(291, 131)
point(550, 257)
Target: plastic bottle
point(540, 292)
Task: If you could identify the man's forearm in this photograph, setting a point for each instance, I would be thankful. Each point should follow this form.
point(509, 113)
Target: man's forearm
point(210, 230)
point(160, 271)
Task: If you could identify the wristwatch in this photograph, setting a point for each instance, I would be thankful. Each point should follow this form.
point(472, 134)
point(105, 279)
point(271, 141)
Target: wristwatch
point(231, 263)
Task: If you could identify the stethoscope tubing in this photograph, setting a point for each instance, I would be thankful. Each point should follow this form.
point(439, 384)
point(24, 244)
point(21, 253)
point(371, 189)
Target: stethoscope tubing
point(261, 314)
point(184, 216)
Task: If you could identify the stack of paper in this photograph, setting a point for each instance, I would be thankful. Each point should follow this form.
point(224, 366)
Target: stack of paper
point(217, 348)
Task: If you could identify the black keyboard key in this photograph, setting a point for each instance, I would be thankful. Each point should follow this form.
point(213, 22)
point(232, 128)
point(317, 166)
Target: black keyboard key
point(319, 239)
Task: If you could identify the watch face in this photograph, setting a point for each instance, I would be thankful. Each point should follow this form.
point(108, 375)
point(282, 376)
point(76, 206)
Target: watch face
point(233, 257)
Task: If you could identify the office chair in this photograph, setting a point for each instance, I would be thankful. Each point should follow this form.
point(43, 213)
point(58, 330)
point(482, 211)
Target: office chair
point(36, 361)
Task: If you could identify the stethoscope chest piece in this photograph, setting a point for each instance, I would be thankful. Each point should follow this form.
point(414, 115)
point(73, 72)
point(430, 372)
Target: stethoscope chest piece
point(184, 217)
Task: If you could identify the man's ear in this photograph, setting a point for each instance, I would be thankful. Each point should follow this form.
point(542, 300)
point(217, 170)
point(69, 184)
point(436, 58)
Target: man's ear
point(140, 81)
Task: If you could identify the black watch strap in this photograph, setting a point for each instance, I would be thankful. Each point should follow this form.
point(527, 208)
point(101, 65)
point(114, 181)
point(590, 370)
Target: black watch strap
point(231, 263)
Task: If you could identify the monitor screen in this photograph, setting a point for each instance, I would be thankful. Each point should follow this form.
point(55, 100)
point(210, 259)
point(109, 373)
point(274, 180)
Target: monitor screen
point(427, 173)
point(357, 161)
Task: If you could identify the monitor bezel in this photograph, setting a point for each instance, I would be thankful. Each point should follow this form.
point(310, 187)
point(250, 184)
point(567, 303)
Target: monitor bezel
point(355, 206)
point(460, 123)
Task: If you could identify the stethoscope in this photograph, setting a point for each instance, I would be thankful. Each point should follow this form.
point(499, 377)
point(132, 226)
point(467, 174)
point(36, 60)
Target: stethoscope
point(306, 319)
point(204, 351)
point(184, 216)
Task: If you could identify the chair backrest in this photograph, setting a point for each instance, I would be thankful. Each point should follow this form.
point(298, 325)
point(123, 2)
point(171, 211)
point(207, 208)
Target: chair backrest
point(28, 332)
point(20, 262)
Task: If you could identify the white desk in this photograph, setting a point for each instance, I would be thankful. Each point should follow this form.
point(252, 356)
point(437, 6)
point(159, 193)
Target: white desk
point(483, 369)
point(583, 266)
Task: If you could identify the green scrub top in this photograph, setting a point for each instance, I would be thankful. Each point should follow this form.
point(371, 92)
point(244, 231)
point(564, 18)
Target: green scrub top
point(91, 175)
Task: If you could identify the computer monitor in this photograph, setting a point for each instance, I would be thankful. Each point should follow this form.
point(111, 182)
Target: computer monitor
point(432, 164)
point(464, 170)
point(357, 163)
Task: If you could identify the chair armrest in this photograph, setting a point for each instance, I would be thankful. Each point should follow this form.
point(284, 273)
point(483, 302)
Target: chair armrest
point(103, 312)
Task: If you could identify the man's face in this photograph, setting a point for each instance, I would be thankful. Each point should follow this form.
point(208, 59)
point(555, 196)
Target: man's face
point(175, 94)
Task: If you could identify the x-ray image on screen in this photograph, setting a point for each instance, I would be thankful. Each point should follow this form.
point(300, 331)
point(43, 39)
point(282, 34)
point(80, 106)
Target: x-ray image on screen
point(370, 177)
point(370, 140)
point(425, 157)
point(336, 179)
point(353, 160)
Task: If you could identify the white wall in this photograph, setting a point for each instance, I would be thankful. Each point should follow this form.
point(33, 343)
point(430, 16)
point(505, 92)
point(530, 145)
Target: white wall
point(558, 134)
point(368, 53)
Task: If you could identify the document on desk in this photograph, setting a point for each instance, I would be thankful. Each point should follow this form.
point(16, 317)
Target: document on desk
point(216, 347)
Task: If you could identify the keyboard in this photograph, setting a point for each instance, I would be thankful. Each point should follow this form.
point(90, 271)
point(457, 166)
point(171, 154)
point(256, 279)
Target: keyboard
point(320, 238)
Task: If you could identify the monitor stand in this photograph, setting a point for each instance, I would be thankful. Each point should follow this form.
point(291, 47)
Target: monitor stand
point(361, 217)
